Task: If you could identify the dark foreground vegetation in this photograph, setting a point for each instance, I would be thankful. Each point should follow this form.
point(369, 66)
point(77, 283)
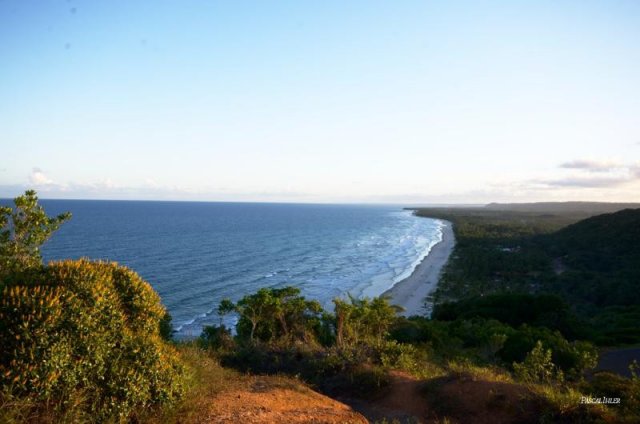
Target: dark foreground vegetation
point(84, 341)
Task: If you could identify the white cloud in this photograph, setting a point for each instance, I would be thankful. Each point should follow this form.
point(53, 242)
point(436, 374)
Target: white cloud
point(152, 183)
point(592, 165)
point(580, 179)
point(590, 182)
point(38, 178)
point(585, 173)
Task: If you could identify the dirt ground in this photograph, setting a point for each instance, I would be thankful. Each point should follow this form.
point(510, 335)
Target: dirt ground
point(451, 399)
point(263, 403)
point(456, 399)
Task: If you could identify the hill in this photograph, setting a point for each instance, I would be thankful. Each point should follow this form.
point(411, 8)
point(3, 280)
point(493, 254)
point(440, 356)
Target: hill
point(591, 261)
point(563, 207)
point(599, 257)
point(597, 262)
point(605, 243)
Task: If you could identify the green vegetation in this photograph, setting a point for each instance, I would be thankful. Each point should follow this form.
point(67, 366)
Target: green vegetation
point(515, 309)
point(601, 276)
point(352, 351)
point(276, 314)
point(84, 341)
point(279, 330)
point(23, 230)
point(490, 342)
point(538, 366)
point(590, 264)
point(79, 340)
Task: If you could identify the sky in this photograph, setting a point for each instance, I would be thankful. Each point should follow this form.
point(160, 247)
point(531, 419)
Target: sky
point(321, 101)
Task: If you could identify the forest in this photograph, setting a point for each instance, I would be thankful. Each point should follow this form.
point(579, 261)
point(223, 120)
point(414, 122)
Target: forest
point(591, 262)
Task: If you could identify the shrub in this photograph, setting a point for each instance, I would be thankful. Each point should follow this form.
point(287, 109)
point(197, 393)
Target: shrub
point(91, 328)
point(217, 337)
point(573, 358)
point(397, 355)
point(606, 384)
point(538, 366)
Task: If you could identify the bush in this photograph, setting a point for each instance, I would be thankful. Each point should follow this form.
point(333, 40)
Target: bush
point(538, 367)
point(398, 355)
point(217, 338)
point(515, 309)
point(573, 358)
point(606, 384)
point(86, 329)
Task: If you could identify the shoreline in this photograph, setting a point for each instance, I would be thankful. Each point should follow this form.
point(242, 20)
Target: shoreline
point(411, 292)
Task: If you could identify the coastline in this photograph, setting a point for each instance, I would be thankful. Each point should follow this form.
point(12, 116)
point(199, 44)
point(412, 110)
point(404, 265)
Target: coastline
point(411, 292)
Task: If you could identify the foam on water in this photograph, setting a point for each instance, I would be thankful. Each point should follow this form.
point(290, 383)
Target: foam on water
point(195, 254)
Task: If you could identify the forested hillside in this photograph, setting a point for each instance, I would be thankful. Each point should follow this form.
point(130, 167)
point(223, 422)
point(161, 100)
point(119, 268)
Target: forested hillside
point(592, 263)
point(598, 260)
point(589, 208)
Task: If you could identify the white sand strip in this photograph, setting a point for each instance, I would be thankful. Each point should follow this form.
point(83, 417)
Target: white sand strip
point(411, 292)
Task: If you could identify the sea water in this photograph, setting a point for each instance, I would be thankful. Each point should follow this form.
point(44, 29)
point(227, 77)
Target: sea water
point(196, 253)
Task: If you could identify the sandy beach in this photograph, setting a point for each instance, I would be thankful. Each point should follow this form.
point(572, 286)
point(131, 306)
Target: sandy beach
point(411, 292)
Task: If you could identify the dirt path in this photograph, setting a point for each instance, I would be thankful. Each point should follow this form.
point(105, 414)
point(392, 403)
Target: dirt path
point(264, 403)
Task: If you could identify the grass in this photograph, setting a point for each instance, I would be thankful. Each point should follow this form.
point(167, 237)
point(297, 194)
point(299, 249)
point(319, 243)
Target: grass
point(549, 402)
point(205, 379)
point(15, 410)
point(491, 374)
point(565, 406)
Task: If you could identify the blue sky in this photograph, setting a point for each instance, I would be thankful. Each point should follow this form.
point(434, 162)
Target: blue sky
point(359, 101)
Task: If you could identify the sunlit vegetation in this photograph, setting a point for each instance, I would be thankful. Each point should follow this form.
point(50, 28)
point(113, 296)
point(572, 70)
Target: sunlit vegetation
point(23, 230)
point(84, 341)
point(79, 340)
point(279, 330)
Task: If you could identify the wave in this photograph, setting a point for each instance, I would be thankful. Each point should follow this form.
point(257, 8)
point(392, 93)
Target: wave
point(229, 250)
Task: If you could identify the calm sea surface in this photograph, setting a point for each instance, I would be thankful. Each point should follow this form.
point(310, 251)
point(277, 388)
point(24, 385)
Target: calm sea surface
point(195, 254)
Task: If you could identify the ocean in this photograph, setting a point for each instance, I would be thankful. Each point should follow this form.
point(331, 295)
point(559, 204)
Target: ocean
point(196, 253)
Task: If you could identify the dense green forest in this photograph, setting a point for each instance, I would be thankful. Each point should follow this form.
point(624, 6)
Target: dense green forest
point(592, 263)
point(85, 341)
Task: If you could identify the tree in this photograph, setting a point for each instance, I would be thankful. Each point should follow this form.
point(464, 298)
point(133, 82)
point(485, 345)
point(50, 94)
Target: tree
point(294, 313)
point(380, 317)
point(254, 310)
point(343, 312)
point(276, 314)
point(363, 320)
point(226, 307)
point(22, 231)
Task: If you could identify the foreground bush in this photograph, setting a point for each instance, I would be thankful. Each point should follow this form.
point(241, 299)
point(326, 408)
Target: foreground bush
point(89, 332)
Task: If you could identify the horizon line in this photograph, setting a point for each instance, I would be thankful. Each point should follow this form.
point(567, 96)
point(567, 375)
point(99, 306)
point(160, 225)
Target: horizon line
point(363, 203)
